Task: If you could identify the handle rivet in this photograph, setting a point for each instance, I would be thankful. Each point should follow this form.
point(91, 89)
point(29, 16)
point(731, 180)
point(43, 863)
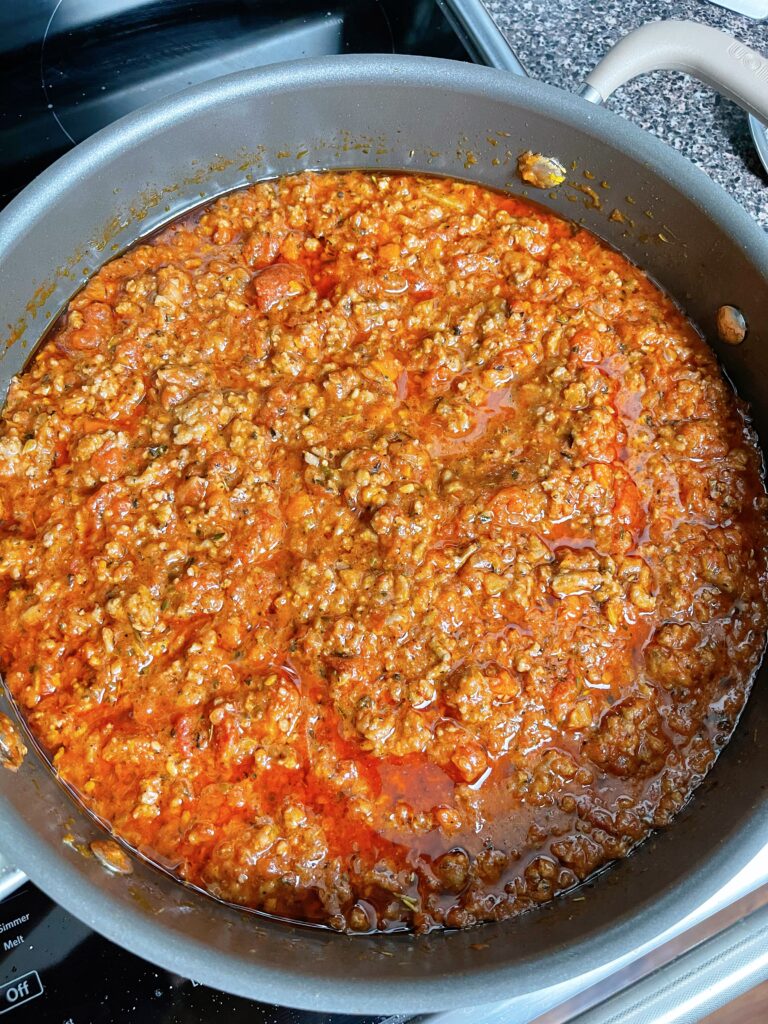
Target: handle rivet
point(731, 325)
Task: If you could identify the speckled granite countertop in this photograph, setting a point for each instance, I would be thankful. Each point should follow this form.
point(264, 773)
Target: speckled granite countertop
point(559, 41)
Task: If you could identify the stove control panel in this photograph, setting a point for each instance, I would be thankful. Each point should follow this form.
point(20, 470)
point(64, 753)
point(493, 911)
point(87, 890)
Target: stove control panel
point(15, 993)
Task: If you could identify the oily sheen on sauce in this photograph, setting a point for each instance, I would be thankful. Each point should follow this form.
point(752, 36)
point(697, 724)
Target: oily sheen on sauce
point(379, 551)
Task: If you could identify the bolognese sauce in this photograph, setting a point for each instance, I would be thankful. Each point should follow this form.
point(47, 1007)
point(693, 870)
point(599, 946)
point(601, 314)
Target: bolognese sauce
point(379, 551)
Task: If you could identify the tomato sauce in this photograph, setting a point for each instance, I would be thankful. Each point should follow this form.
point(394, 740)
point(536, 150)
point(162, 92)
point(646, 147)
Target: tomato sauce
point(379, 551)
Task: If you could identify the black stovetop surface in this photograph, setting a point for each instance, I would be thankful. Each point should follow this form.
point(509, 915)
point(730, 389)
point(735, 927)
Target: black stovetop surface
point(70, 67)
point(55, 969)
point(67, 69)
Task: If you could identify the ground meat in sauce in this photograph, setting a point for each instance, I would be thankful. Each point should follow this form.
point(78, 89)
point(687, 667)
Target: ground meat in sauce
point(379, 551)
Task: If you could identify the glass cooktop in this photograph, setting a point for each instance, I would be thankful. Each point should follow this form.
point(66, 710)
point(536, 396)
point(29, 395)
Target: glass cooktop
point(55, 970)
point(70, 67)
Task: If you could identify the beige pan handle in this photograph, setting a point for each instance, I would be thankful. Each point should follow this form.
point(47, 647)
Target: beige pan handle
point(716, 58)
